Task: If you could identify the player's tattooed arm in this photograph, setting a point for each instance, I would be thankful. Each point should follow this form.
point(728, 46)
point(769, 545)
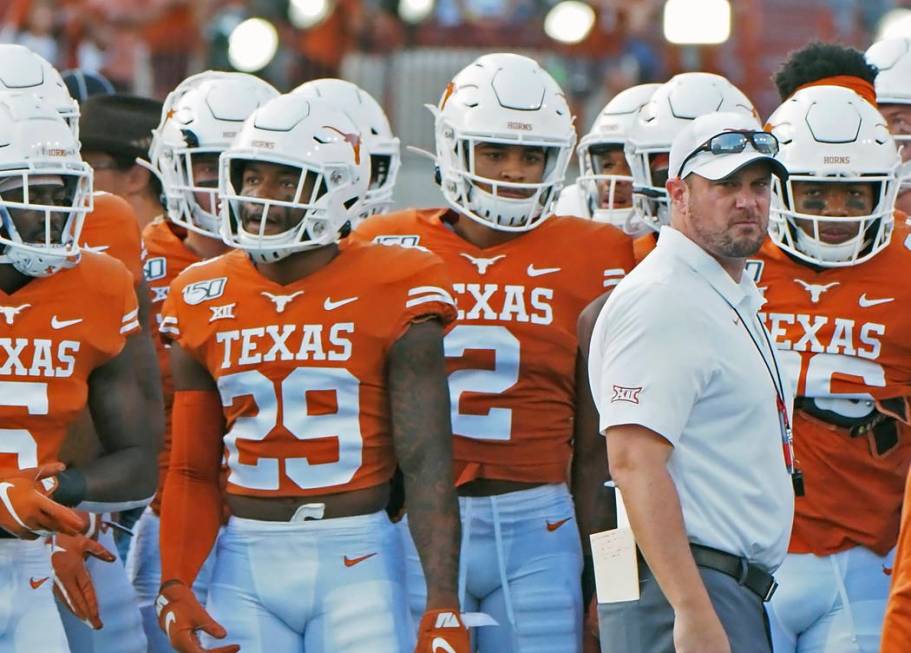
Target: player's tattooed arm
point(422, 433)
point(595, 504)
point(129, 424)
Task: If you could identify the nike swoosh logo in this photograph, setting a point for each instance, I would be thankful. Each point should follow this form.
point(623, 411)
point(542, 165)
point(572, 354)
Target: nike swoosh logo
point(537, 272)
point(98, 248)
point(330, 305)
point(62, 324)
point(36, 583)
point(439, 644)
point(867, 303)
point(552, 526)
point(350, 562)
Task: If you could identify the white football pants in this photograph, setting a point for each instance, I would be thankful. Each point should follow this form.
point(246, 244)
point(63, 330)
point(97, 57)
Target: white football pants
point(521, 564)
point(831, 604)
point(29, 621)
point(317, 586)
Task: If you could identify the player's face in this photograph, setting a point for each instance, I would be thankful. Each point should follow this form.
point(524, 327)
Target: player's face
point(730, 216)
point(30, 223)
point(613, 162)
point(204, 168)
point(833, 200)
point(272, 181)
point(898, 116)
point(519, 164)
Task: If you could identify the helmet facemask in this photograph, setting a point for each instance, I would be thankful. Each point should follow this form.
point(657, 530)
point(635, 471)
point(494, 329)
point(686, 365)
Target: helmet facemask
point(605, 192)
point(183, 191)
point(314, 214)
point(52, 243)
point(494, 202)
point(873, 230)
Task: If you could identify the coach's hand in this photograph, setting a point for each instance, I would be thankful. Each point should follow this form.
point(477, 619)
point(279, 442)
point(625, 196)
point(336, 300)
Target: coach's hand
point(72, 582)
point(180, 615)
point(26, 510)
point(699, 631)
point(442, 631)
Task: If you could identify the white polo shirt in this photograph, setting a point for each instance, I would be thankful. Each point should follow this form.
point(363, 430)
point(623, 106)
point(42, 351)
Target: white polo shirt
point(669, 353)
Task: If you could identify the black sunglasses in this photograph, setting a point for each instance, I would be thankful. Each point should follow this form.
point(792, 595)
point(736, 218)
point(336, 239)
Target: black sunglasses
point(735, 142)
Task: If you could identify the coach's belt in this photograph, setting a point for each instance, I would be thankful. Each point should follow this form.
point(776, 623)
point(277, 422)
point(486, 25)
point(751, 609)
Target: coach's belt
point(751, 576)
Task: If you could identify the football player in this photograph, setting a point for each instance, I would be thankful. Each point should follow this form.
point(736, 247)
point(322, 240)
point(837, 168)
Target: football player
point(318, 366)
point(826, 64)
point(199, 120)
point(504, 136)
point(604, 189)
point(893, 97)
point(367, 114)
point(833, 272)
point(71, 340)
point(111, 227)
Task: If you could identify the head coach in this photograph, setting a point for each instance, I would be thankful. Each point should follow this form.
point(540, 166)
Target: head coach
point(695, 407)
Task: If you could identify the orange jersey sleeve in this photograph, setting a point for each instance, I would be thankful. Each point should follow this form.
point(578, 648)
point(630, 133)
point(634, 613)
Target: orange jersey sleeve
point(897, 622)
point(643, 245)
point(844, 340)
point(301, 368)
point(166, 258)
point(54, 332)
point(112, 228)
point(511, 355)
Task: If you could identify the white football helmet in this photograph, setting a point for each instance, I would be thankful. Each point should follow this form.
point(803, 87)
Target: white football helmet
point(37, 148)
point(23, 71)
point(507, 99)
point(893, 84)
point(201, 116)
point(368, 115)
point(680, 100)
point(319, 141)
point(831, 134)
point(610, 129)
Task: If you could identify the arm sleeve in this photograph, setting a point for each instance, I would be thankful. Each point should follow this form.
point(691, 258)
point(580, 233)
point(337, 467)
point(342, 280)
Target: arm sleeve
point(191, 506)
point(897, 623)
point(645, 365)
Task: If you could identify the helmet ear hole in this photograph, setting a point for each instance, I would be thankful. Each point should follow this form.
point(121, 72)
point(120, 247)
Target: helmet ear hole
point(437, 175)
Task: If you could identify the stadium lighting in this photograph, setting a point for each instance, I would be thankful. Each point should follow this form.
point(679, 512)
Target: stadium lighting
point(414, 11)
point(894, 24)
point(304, 14)
point(569, 21)
point(697, 22)
point(252, 45)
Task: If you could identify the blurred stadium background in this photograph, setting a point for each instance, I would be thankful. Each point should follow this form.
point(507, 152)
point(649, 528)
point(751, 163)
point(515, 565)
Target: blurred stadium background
point(404, 51)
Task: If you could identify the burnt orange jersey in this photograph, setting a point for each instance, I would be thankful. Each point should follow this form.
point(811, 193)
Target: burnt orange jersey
point(643, 245)
point(54, 332)
point(511, 356)
point(112, 228)
point(301, 368)
point(166, 257)
point(844, 335)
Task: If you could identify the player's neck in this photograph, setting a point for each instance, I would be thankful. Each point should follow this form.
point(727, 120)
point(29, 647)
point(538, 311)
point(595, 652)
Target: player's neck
point(11, 279)
point(480, 235)
point(298, 265)
point(203, 246)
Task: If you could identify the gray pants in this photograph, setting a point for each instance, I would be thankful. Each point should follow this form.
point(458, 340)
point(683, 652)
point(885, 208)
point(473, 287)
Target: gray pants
point(647, 625)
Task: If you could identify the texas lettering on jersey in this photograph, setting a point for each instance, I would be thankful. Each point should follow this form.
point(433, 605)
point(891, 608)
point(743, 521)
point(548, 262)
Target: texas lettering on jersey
point(54, 332)
point(301, 368)
point(511, 355)
point(845, 345)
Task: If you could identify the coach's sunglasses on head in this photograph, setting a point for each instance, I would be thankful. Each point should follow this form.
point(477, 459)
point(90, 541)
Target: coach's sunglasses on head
point(735, 142)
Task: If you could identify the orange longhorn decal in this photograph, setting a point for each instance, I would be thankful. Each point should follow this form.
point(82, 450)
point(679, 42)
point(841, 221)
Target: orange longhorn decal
point(354, 140)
